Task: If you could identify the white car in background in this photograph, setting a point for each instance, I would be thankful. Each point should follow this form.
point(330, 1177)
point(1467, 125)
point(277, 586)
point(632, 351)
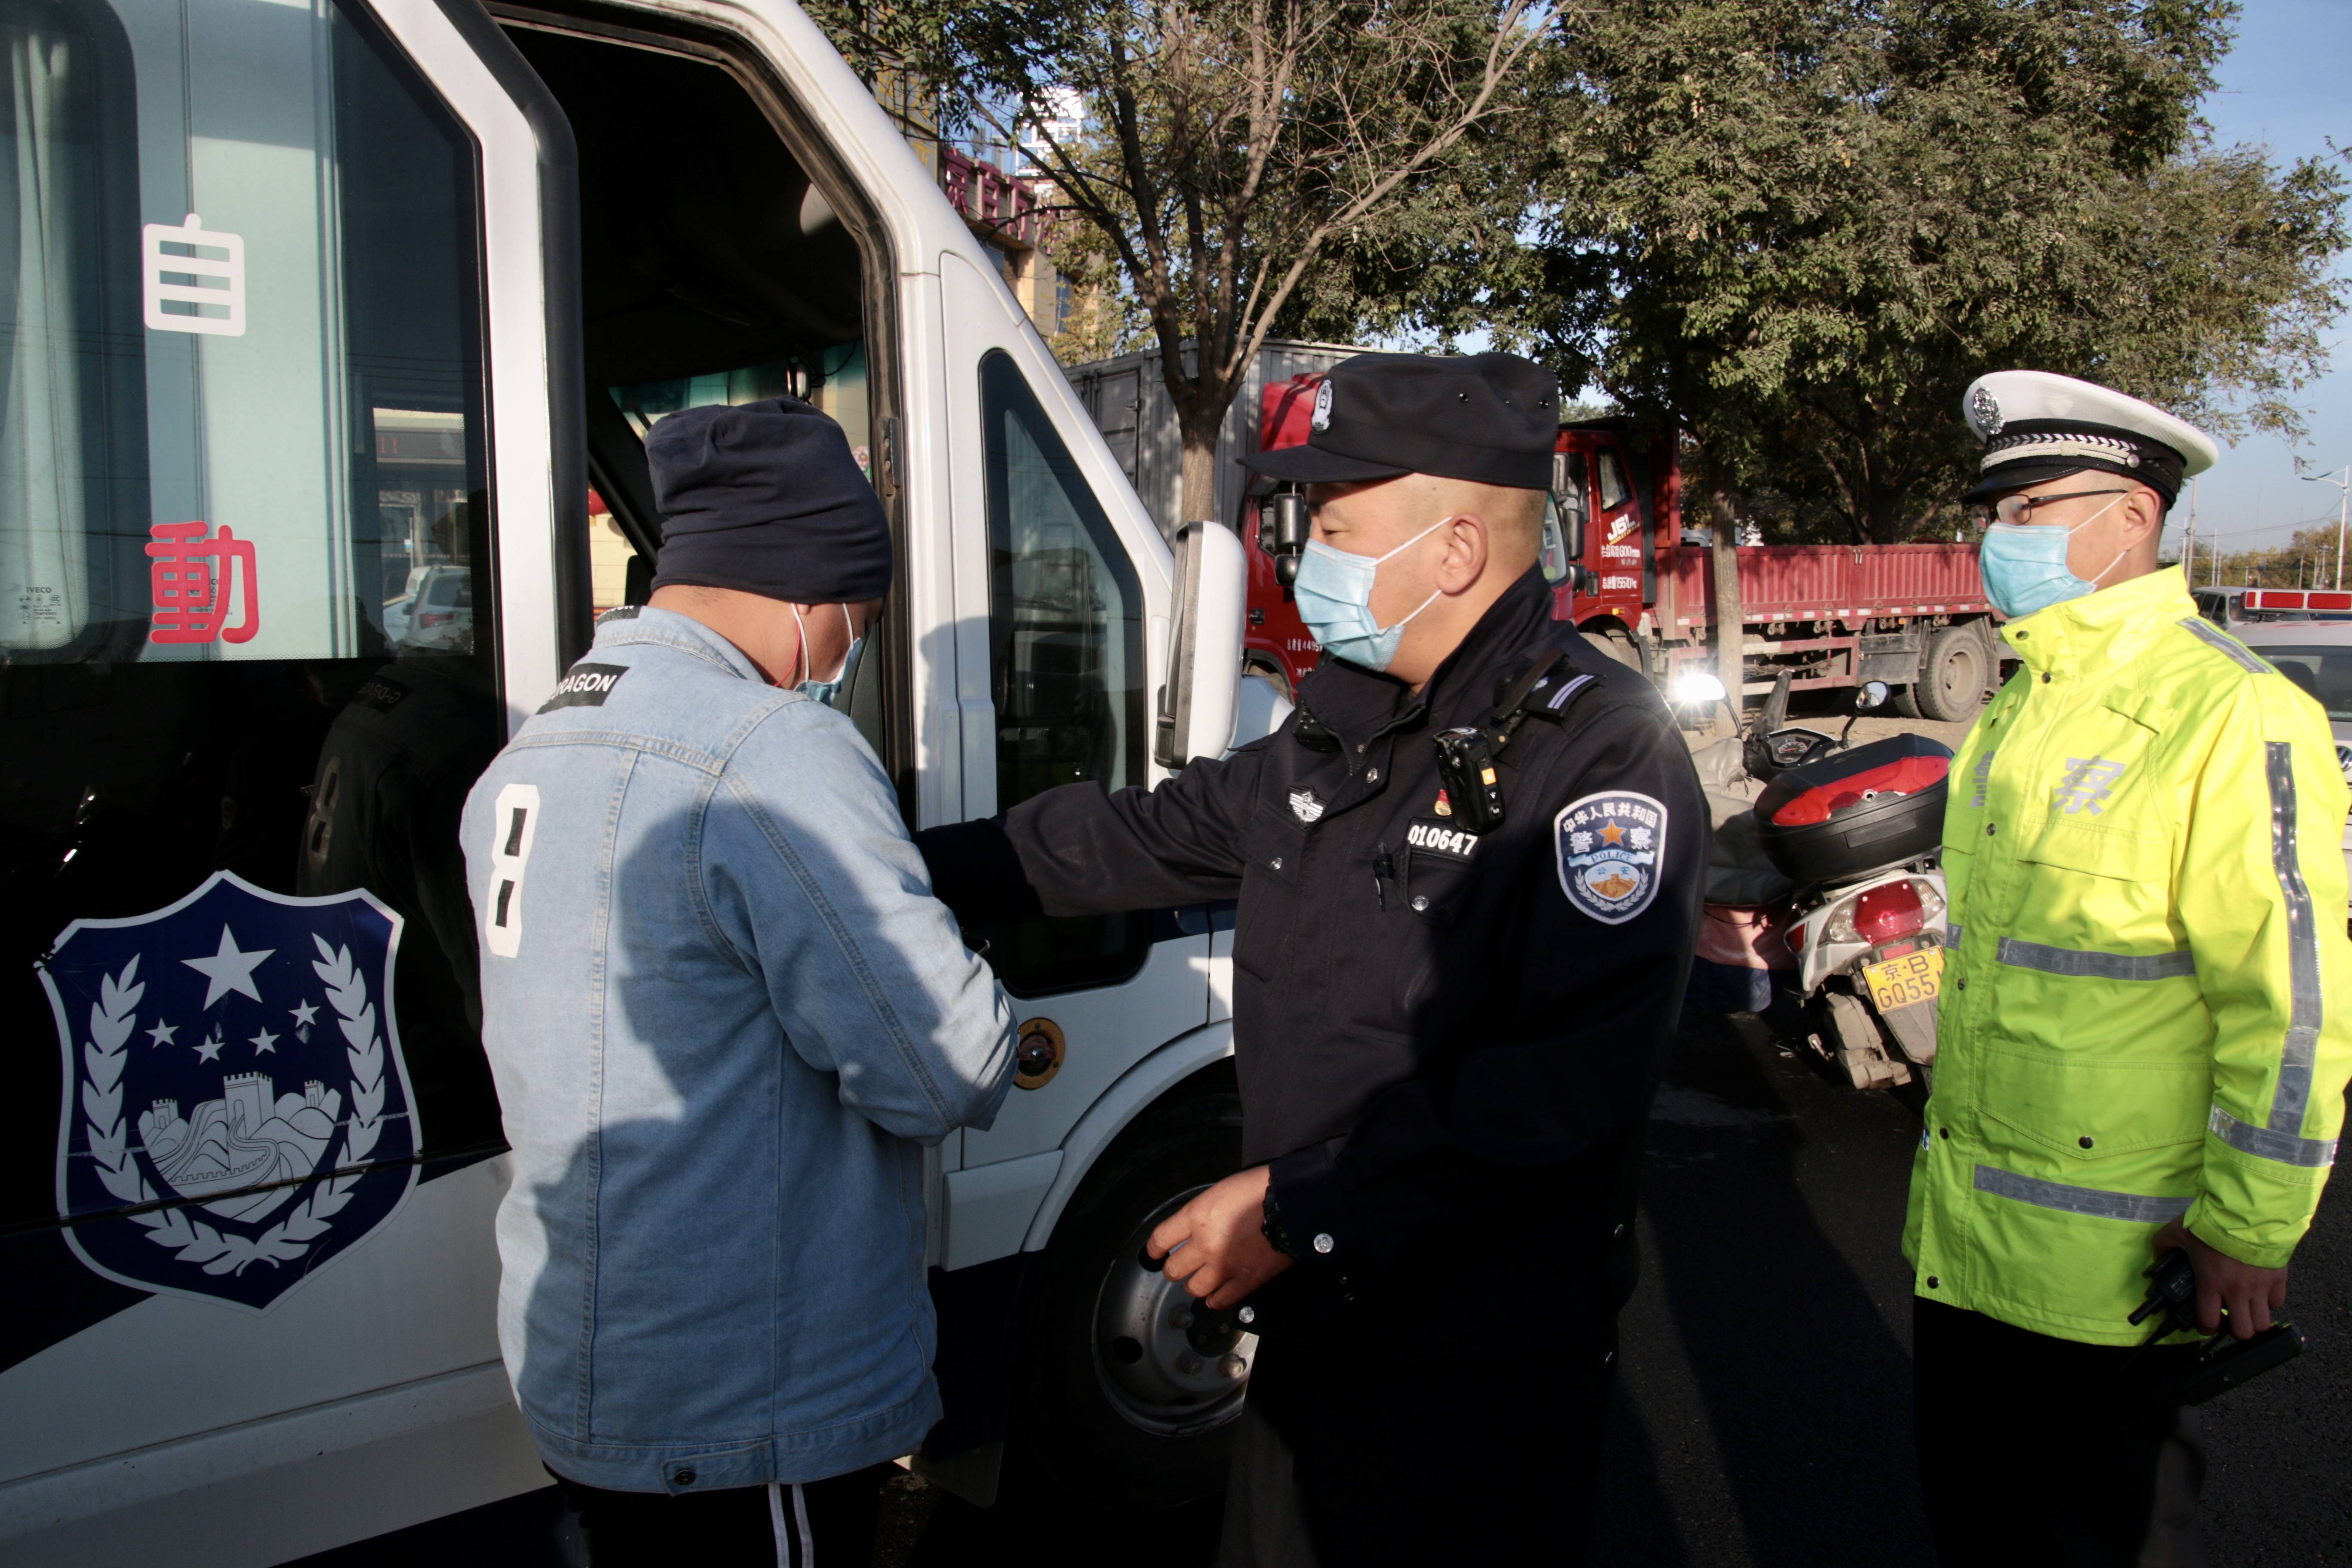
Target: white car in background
point(2316, 655)
point(436, 611)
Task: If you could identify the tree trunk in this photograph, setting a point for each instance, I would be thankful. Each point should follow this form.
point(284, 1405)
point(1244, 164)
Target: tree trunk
point(1730, 632)
point(1198, 434)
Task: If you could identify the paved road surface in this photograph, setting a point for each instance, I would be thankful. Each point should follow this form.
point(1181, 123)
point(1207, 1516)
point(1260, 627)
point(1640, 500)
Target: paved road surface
point(1764, 1414)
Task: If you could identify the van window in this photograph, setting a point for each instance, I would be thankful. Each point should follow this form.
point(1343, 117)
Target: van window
point(713, 269)
point(1065, 662)
point(240, 432)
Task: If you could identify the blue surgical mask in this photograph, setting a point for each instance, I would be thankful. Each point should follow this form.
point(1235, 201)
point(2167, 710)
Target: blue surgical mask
point(825, 691)
point(2025, 565)
point(1334, 591)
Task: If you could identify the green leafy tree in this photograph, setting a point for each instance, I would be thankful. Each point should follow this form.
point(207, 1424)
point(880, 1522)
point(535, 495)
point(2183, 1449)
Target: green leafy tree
point(1245, 164)
point(1792, 231)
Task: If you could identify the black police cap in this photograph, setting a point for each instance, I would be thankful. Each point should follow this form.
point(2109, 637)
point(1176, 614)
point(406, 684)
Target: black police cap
point(1492, 419)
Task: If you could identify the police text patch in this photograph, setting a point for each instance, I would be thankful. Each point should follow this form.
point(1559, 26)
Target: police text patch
point(1432, 837)
point(585, 686)
point(1609, 847)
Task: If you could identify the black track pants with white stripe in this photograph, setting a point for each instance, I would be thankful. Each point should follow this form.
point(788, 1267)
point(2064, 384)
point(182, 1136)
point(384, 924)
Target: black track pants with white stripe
point(815, 1524)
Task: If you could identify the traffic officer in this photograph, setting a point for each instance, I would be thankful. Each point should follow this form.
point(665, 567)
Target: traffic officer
point(2145, 1038)
point(724, 1013)
point(1453, 989)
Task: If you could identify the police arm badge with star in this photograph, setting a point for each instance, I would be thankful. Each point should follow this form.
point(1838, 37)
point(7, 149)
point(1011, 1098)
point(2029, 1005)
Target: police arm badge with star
point(1609, 847)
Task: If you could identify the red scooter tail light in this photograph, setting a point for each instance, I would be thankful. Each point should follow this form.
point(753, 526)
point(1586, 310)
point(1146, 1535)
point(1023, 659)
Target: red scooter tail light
point(1889, 911)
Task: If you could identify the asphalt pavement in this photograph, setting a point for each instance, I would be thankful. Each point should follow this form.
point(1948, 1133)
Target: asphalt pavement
point(1764, 1412)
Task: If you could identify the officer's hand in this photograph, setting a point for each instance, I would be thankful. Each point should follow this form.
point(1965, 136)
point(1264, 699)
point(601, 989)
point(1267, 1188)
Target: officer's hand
point(2252, 1294)
point(1216, 1244)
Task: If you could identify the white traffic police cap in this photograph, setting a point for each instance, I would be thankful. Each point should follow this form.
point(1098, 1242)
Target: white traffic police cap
point(2036, 426)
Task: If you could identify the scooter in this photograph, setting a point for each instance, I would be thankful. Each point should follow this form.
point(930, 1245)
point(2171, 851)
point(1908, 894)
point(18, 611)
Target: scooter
point(1856, 830)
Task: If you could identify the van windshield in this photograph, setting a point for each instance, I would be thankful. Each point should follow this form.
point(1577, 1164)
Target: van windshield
point(2324, 673)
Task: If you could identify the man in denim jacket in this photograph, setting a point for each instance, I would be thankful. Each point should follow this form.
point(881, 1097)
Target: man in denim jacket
point(724, 1012)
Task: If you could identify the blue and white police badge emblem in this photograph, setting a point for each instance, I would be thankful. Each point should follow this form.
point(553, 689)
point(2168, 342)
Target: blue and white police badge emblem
point(235, 1095)
point(1609, 847)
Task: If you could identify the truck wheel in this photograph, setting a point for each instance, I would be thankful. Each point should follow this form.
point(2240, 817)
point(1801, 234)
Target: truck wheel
point(1136, 1388)
point(1954, 674)
point(1618, 645)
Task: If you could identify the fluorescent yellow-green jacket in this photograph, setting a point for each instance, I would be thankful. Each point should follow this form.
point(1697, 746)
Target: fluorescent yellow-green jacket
point(2147, 1008)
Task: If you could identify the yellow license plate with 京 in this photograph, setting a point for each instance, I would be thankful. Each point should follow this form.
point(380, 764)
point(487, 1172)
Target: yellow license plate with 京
point(1901, 982)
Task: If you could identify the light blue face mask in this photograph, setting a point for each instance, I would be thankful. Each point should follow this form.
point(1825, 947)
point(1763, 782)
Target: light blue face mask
point(2025, 565)
point(1334, 591)
point(825, 691)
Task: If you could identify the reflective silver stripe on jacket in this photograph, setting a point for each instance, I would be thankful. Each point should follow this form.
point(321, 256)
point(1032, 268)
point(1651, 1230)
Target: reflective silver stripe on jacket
point(2097, 966)
point(1952, 934)
point(2228, 644)
point(2306, 1007)
point(2284, 1147)
point(2079, 1200)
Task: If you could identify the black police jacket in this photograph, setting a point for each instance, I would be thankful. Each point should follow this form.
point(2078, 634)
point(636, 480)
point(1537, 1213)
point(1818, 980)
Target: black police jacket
point(1437, 1035)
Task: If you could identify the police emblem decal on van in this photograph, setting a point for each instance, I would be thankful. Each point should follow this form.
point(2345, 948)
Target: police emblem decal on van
point(1609, 846)
point(585, 686)
point(234, 1080)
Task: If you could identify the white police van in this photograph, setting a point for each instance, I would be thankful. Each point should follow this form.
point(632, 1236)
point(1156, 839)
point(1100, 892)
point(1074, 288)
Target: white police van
point(317, 300)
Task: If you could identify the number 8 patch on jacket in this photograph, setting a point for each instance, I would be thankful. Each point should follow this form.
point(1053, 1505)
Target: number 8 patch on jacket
point(1609, 847)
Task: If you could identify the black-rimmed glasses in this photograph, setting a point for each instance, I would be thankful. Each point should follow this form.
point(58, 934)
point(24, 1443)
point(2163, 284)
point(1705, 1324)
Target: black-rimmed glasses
point(2017, 510)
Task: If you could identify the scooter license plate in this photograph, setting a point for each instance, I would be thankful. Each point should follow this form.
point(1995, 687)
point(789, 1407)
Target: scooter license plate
point(1901, 982)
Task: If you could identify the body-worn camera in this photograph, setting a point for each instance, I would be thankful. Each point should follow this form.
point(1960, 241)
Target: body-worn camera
point(1468, 755)
point(1466, 767)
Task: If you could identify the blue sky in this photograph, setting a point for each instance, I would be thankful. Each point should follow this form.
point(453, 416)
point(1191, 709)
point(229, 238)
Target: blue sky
point(2285, 86)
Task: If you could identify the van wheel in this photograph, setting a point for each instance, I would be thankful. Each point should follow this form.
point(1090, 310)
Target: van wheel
point(1136, 1387)
point(1954, 675)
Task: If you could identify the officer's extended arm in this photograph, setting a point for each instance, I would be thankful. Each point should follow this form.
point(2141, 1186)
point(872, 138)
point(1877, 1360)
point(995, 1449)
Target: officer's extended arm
point(1555, 1069)
point(1078, 850)
point(817, 873)
point(2262, 897)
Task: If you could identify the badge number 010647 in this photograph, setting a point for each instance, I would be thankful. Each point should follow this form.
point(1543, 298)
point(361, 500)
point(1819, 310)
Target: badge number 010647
point(1901, 982)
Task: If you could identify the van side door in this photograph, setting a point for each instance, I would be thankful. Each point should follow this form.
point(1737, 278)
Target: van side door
point(292, 338)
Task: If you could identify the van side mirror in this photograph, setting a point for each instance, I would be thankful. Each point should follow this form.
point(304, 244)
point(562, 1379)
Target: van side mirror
point(1198, 702)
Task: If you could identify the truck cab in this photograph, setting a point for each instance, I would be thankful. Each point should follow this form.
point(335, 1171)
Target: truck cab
point(327, 318)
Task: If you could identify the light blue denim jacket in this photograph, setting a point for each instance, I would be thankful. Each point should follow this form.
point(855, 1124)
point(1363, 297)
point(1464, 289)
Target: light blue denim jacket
point(723, 1011)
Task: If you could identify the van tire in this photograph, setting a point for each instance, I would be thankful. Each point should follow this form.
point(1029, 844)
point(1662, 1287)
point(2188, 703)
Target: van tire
point(1074, 1423)
point(1954, 675)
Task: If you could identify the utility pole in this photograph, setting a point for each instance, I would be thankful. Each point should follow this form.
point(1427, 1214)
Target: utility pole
point(2343, 503)
point(2188, 547)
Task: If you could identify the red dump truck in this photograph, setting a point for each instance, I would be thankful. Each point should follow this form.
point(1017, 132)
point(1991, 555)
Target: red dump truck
point(1913, 616)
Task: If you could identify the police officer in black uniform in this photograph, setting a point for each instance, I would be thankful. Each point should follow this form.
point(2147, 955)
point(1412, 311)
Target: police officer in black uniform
point(1468, 870)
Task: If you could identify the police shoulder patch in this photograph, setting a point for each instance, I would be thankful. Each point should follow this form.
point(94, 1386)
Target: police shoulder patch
point(584, 685)
point(1609, 847)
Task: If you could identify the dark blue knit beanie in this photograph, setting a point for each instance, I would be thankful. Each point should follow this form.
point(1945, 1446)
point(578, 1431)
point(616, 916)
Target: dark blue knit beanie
point(765, 498)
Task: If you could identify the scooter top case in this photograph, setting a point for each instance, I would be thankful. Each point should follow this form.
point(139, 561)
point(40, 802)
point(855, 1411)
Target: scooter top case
point(1853, 811)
